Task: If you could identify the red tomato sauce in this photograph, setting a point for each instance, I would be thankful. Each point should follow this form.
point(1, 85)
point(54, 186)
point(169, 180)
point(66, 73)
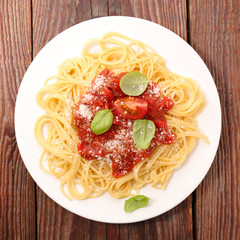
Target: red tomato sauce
point(117, 144)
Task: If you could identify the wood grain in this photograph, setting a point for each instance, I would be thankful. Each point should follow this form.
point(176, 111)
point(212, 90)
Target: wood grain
point(99, 8)
point(49, 19)
point(175, 224)
point(215, 34)
point(173, 15)
point(170, 14)
point(17, 189)
point(46, 21)
point(213, 29)
point(52, 17)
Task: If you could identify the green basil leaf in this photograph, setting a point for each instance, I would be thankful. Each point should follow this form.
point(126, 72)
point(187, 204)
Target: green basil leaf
point(102, 121)
point(136, 202)
point(143, 132)
point(134, 83)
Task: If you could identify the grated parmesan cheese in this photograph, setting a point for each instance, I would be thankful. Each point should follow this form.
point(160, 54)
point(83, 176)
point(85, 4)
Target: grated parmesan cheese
point(84, 111)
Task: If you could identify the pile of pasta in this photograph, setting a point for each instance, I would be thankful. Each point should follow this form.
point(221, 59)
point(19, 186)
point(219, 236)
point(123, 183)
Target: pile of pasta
point(56, 133)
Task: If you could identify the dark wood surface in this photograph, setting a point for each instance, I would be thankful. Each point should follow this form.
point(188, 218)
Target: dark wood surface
point(212, 28)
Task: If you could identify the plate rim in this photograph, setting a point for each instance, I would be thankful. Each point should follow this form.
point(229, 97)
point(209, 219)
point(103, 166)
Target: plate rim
point(17, 106)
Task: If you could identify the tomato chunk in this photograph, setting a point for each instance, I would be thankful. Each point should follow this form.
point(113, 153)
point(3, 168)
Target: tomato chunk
point(152, 93)
point(157, 111)
point(117, 144)
point(131, 107)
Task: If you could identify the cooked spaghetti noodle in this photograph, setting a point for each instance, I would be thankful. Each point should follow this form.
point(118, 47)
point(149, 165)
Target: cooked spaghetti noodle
point(81, 178)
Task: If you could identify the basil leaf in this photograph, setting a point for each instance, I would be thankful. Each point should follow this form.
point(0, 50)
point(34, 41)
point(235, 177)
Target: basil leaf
point(136, 202)
point(102, 121)
point(134, 83)
point(143, 132)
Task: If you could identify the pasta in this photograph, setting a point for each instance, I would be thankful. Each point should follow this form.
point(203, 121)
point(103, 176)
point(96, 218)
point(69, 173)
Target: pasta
point(81, 178)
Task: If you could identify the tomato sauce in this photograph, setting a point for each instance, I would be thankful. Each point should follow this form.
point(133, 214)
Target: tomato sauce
point(117, 144)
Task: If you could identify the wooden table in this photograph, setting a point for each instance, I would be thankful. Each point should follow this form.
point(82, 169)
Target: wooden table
point(212, 28)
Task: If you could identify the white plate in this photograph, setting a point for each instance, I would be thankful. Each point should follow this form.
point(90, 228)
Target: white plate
point(180, 58)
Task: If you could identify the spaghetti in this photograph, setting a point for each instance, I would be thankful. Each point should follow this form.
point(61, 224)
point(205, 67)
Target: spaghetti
point(81, 178)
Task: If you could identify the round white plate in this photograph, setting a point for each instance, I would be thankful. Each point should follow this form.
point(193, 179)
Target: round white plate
point(180, 58)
